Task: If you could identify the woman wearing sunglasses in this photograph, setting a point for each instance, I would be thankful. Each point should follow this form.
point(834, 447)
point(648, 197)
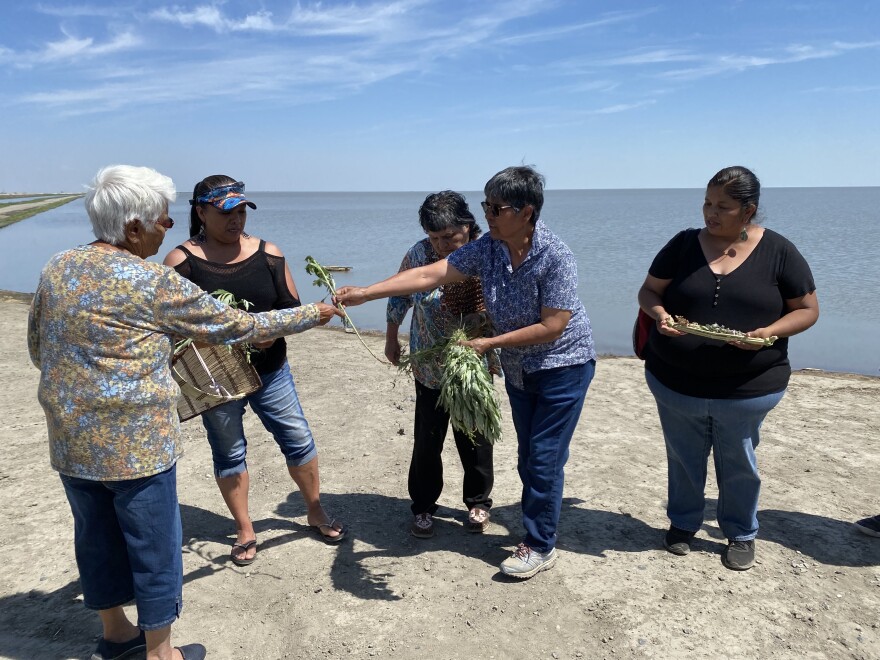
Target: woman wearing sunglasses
point(221, 255)
point(529, 281)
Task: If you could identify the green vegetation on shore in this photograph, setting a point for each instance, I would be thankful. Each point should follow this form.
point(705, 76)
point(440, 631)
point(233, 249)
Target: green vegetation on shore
point(15, 216)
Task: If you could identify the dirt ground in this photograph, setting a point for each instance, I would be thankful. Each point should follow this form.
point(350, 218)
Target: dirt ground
point(614, 593)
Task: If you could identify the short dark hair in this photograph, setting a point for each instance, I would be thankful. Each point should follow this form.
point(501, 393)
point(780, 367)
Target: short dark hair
point(738, 183)
point(520, 186)
point(203, 186)
point(445, 209)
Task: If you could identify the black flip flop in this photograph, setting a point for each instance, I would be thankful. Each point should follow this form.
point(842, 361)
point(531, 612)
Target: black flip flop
point(330, 540)
point(244, 547)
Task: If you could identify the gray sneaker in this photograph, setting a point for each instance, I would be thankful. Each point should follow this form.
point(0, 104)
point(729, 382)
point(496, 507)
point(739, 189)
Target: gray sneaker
point(525, 562)
point(869, 526)
point(739, 555)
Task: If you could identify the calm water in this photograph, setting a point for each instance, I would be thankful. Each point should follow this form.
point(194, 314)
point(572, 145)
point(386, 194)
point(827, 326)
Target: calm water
point(614, 233)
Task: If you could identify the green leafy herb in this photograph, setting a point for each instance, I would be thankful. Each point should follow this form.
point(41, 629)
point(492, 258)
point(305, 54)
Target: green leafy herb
point(466, 389)
point(325, 279)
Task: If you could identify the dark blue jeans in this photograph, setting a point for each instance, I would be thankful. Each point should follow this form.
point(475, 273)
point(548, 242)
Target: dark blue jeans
point(127, 538)
point(545, 414)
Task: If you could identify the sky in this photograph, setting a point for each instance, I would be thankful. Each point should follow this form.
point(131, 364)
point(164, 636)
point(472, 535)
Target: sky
point(430, 94)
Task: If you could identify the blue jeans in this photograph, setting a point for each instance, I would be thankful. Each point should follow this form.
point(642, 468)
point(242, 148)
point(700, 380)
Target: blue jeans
point(127, 539)
point(730, 429)
point(545, 414)
point(278, 407)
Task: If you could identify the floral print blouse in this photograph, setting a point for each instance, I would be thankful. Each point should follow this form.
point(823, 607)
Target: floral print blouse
point(101, 330)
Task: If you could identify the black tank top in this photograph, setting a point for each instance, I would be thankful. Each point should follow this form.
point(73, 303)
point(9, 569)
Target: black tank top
point(259, 279)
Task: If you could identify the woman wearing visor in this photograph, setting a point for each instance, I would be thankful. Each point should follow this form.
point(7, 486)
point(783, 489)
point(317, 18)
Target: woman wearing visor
point(221, 255)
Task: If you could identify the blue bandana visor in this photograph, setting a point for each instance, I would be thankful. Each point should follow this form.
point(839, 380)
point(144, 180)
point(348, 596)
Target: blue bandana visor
point(226, 197)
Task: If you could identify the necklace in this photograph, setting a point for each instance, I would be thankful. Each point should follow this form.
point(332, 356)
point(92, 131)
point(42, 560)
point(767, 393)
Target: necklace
point(730, 250)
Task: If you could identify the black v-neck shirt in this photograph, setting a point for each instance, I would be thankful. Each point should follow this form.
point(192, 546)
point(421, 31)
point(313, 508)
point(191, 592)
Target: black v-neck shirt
point(749, 297)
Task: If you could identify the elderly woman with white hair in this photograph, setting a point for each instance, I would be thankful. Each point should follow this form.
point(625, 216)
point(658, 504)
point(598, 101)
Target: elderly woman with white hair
point(101, 330)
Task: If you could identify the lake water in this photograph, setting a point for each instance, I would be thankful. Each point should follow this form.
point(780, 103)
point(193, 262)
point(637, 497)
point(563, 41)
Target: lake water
point(613, 233)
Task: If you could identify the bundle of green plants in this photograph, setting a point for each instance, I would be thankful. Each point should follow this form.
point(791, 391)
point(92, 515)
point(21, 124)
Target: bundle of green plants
point(466, 389)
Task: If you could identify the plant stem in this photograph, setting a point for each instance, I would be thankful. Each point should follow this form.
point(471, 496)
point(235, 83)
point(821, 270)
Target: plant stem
point(324, 278)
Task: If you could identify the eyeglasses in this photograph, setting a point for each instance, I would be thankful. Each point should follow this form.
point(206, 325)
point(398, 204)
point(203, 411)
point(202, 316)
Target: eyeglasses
point(168, 223)
point(496, 209)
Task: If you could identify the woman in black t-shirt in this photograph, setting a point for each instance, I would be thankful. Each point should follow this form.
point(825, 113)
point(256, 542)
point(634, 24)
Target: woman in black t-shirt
point(714, 395)
point(220, 255)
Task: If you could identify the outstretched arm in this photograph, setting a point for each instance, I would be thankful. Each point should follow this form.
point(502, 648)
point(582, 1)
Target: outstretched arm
point(403, 283)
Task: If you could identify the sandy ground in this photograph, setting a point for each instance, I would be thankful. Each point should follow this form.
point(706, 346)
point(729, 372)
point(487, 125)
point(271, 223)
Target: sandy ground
point(614, 593)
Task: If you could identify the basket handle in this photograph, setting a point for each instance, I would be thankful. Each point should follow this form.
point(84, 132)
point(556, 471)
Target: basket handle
point(193, 391)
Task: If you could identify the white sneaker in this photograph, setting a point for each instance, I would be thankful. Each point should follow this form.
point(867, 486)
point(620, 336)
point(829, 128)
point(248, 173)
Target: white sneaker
point(525, 562)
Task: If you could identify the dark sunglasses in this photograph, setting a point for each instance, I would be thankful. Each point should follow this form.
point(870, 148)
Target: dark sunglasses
point(168, 223)
point(496, 209)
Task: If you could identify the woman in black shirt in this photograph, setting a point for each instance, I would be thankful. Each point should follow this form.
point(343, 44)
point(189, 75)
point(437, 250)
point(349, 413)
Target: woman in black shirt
point(713, 395)
point(220, 255)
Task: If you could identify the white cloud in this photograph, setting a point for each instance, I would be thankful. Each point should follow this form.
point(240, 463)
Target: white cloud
point(845, 89)
point(659, 56)
point(71, 49)
point(352, 20)
point(211, 17)
point(610, 18)
point(720, 64)
point(622, 107)
point(78, 11)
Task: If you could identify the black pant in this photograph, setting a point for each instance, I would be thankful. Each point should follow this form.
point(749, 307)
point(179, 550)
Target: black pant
point(426, 467)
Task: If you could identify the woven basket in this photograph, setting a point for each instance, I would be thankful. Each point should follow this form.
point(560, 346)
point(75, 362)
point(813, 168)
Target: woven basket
point(210, 376)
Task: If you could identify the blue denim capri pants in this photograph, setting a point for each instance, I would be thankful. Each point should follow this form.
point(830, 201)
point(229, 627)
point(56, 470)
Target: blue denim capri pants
point(730, 430)
point(277, 405)
point(127, 538)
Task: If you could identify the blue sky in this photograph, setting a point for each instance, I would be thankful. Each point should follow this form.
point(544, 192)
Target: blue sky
point(431, 94)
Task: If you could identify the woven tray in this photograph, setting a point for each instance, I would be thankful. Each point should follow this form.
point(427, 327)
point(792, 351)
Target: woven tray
point(210, 376)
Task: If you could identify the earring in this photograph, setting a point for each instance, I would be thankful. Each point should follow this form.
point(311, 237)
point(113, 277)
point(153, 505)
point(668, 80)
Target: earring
point(744, 235)
point(200, 237)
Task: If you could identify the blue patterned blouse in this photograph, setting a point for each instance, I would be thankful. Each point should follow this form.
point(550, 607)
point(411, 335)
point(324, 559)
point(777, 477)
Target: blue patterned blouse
point(514, 298)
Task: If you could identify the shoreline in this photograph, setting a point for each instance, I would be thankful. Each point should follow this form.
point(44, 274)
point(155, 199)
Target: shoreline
point(6, 295)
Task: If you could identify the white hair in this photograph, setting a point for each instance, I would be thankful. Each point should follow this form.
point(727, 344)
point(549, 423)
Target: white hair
point(121, 193)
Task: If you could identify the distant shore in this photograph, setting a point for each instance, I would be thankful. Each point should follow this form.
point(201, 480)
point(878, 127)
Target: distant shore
point(12, 211)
